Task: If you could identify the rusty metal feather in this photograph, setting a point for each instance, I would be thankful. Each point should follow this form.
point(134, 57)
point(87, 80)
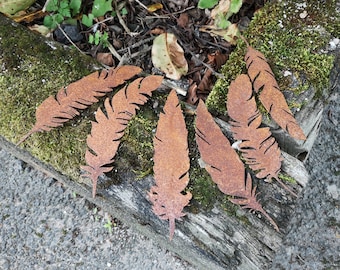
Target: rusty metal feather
point(223, 164)
point(56, 110)
point(259, 148)
point(171, 164)
point(270, 95)
point(109, 128)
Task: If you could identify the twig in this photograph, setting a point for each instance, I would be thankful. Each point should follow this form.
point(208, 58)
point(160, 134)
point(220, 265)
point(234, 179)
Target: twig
point(114, 52)
point(141, 4)
point(70, 40)
point(136, 45)
point(219, 75)
point(122, 23)
point(45, 6)
point(145, 7)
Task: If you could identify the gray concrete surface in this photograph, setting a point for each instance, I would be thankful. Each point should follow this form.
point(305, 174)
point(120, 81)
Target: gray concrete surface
point(45, 226)
point(313, 240)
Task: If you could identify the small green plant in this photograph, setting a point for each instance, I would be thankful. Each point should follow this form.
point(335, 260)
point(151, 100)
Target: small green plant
point(220, 15)
point(99, 39)
point(61, 10)
point(108, 225)
point(223, 11)
point(99, 8)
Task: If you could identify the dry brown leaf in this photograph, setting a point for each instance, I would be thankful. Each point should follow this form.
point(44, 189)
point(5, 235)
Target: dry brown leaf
point(223, 164)
point(192, 93)
point(216, 60)
point(168, 56)
point(183, 20)
point(270, 95)
point(222, 8)
point(105, 58)
point(109, 128)
point(260, 150)
point(56, 110)
point(171, 164)
point(229, 34)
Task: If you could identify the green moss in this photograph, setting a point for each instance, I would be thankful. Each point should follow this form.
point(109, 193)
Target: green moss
point(137, 144)
point(204, 191)
point(32, 70)
point(286, 178)
point(233, 210)
point(289, 43)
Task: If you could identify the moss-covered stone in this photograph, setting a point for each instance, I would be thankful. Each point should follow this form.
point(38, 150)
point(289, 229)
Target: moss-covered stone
point(290, 43)
point(31, 70)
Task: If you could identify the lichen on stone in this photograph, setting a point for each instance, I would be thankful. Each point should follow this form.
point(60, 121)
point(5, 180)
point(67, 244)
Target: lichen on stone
point(290, 43)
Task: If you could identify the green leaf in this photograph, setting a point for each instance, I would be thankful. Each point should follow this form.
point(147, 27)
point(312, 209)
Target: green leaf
point(58, 18)
point(221, 22)
point(207, 3)
point(235, 6)
point(87, 20)
point(97, 36)
point(75, 6)
point(48, 21)
point(52, 21)
point(124, 11)
point(100, 7)
point(91, 39)
point(104, 39)
point(52, 5)
point(64, 8)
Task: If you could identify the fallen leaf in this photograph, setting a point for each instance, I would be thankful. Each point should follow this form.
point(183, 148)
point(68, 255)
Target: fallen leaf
point(109, 128)
point(183, 20)
point(171, 164)
point(41, 29)
point(157, 31)
point(216, 60)
point(230, 34)
point(222, 8)
point(155, 7)
point(168, 56)
point(105, 58)
point(270, 95)
point(223, 164)
point(192, 93)
point(28, 17)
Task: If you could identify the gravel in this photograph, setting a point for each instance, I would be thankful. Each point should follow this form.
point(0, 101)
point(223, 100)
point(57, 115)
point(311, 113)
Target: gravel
point(45, 226)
